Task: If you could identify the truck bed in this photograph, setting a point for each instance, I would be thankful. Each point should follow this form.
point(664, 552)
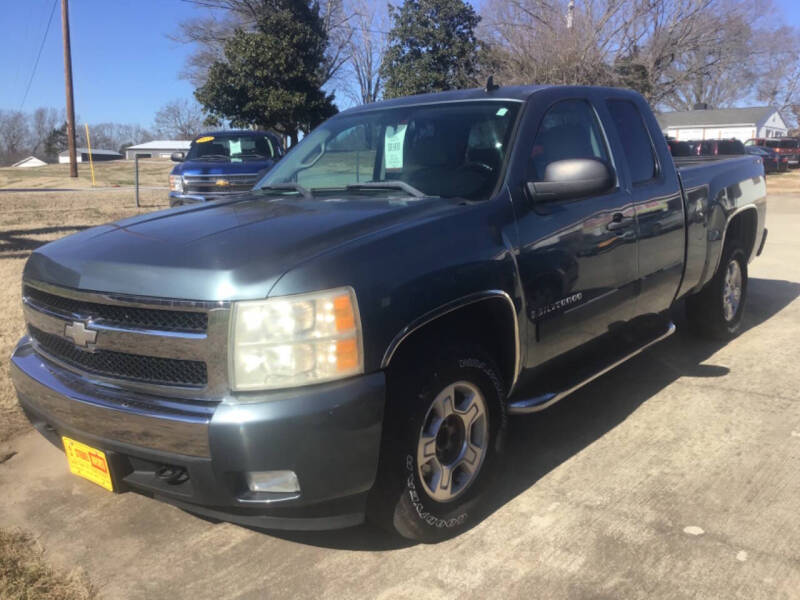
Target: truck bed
point(715, 187)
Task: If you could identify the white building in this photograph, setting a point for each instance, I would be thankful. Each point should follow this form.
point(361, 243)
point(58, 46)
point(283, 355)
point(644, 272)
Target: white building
point(725, 123)
point(157, 149)
point(82, 155)
point(28, 162)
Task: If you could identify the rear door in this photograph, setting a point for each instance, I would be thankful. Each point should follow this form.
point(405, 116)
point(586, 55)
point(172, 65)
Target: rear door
point(651, 184)
point(577, 257)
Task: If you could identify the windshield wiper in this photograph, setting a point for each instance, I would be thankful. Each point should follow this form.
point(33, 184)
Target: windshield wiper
point(213, 156)
point(283, 187)
point(387, 185)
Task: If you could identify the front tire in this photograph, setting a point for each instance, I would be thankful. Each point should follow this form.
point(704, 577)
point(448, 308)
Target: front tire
point(444, 426)
point(716, 311)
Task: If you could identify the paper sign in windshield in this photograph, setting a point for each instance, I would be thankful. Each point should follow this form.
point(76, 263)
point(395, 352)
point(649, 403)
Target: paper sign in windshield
point(393, 147)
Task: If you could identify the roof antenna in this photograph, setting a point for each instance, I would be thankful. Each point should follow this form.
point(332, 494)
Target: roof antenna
point(491, 85)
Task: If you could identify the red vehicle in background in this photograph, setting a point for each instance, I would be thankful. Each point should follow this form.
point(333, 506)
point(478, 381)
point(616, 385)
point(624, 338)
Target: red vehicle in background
point(785, 146)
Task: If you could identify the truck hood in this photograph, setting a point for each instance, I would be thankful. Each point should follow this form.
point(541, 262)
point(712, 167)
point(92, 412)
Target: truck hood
point(225, 250)
point(220, 167)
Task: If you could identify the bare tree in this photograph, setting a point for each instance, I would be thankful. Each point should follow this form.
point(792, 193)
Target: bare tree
point(42, 123)
point(366, 47)
point(676, 52)
point(716, 64)
point(779, 83)
point(114, 136)
point(179, 119)
point(14, 135)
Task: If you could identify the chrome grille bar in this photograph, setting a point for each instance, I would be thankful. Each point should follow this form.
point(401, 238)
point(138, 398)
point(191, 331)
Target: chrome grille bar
point(208, 347)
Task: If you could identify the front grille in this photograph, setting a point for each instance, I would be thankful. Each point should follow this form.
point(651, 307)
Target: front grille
point(135, 367)
point(120, 316)
point(207, 184)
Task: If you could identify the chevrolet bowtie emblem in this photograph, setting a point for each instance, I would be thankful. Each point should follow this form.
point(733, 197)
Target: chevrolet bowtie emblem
point(80, 335)
point(222, 182)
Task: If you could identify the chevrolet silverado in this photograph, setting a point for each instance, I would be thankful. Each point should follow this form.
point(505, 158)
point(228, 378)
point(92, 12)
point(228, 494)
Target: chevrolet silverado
point(348, 340)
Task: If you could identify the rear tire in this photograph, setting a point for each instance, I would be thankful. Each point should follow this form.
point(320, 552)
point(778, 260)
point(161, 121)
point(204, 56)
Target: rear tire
point(444, 426)
point(716, 311)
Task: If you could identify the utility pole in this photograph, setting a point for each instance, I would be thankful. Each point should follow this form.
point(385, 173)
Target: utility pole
point(73, 161)
point(570, 13)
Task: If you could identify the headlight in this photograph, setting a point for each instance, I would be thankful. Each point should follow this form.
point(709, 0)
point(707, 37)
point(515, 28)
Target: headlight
point(295, 340)
point(175, 183)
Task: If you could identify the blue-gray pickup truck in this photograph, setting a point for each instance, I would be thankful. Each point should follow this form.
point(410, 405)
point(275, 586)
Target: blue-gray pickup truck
point(348, 340)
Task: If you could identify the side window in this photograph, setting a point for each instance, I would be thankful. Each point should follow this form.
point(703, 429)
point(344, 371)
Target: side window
point(568, 130)
point(635, 139)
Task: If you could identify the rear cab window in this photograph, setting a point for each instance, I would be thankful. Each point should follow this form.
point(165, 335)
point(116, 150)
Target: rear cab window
point(635, 139)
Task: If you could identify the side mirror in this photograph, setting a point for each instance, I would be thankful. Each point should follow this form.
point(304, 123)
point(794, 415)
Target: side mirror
point(178, 157)
point(572, 178)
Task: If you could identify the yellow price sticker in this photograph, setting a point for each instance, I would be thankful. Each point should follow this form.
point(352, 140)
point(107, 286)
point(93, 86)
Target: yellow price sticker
point(87, 462)
point(204, 139)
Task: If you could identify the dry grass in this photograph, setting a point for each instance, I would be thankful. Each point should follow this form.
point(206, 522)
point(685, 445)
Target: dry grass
point(28, 220)
point(107, 174)
point(24, 575)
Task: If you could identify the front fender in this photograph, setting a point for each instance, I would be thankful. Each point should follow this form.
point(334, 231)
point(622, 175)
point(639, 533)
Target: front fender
point(406, 276)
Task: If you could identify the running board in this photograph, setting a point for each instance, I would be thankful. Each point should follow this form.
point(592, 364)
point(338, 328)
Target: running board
point(542, 401)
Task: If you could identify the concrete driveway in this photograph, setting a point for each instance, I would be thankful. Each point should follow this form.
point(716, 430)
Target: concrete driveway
point(675, 476)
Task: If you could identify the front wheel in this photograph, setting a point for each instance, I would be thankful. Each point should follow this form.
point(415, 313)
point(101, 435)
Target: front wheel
point(716, 311)
point(444, 425)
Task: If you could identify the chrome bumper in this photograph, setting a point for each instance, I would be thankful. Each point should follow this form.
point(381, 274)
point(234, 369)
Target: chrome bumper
point(68, 401)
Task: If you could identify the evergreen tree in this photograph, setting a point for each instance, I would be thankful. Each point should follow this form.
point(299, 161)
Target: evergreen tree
point(432, 47)
point(271, 77)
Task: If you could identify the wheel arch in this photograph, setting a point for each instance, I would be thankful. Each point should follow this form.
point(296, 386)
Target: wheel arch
point(743, 226)
point(488, 318)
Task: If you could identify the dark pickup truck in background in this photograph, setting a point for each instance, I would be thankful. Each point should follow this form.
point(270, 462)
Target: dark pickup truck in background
point(349, 339)
point(221, 163)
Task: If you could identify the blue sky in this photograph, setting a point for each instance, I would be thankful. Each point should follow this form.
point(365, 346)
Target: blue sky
point(124, 66)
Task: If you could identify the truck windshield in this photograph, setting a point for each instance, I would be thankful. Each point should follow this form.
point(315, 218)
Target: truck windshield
point(232, 147)
point(448, 150)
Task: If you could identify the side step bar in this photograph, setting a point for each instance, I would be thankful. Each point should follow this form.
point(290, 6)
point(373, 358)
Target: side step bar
point(542, 401)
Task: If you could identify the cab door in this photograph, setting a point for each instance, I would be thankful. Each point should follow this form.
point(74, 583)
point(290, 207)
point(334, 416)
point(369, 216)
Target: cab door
point(655, 191)
point(577, 257)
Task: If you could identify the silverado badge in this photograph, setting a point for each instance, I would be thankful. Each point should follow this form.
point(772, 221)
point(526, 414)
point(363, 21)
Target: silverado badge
point(222, 182)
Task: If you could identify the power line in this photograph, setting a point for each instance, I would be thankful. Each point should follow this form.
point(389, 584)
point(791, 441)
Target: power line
point(39, 55)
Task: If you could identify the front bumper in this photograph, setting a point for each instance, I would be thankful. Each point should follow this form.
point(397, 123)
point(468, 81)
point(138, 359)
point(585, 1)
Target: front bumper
point(329, 435)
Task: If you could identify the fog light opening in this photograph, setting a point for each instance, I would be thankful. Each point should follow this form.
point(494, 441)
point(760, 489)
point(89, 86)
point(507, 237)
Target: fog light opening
point(172, 475)
point(273, 481)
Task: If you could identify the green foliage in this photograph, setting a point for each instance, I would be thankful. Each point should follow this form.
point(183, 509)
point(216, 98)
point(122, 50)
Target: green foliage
point(271, 76)
point(55, 142)
point(631, 73)
point(432, 47)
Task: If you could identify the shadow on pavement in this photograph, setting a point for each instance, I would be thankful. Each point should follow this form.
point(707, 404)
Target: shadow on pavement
point(539, 443)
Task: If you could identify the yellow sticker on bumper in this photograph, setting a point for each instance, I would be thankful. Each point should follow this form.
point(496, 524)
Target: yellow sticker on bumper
point(87, 462)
